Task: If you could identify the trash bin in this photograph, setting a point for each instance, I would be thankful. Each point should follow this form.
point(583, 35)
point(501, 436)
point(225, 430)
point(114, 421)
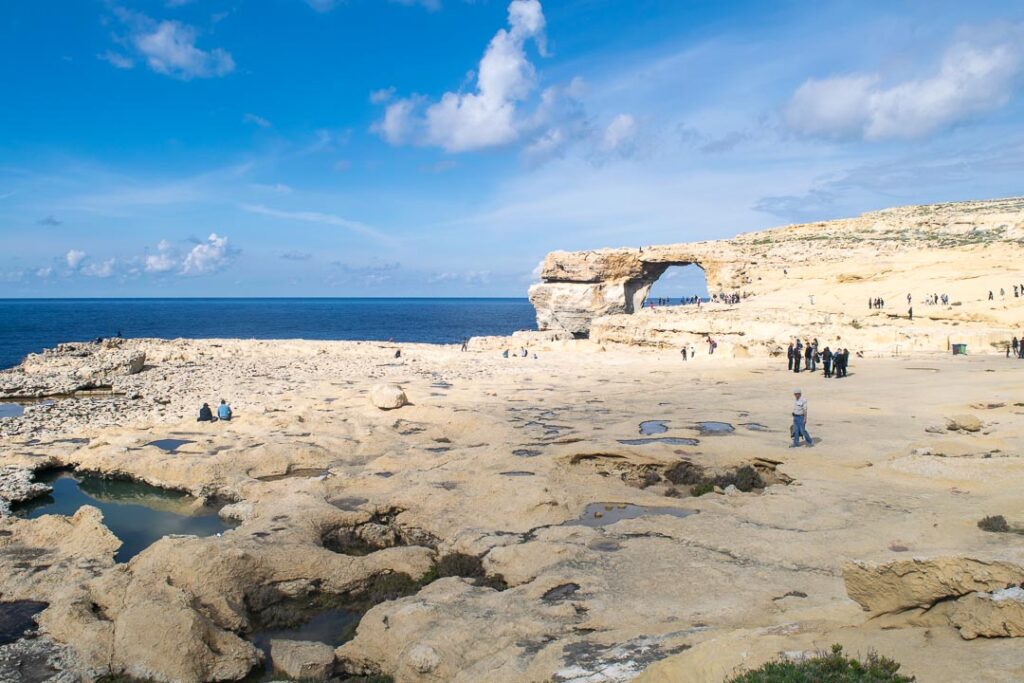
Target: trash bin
point(959, 349)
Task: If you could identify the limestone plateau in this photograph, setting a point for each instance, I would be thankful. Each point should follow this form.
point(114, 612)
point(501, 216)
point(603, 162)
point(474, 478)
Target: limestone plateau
point(811, 279)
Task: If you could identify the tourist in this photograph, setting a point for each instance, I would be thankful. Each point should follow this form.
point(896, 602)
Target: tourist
point(809, 357)
point(845, 361)
point(800, 419)
point(798, 353)
point(910, 299)
point(826, 361)
point(504, 354)
point(465, 344)
point(398, 353)
point(910, 312)
point(990, 297)
point(683, 350)
point(789, 354)
point(223, 411)
point(205, 414)
point(1016, 347)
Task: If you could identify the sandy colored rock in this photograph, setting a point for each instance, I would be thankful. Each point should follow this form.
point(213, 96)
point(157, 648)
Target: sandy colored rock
point(906, 584)
point(388, 396)
point(997, 614)
point(302, 660)
point(964, 423)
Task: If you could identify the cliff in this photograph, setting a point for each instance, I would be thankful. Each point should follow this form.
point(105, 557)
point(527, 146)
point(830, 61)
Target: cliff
point(810, 279)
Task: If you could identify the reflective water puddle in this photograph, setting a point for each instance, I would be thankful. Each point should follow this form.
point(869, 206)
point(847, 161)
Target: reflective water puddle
point(603, 514)
point(138, 514)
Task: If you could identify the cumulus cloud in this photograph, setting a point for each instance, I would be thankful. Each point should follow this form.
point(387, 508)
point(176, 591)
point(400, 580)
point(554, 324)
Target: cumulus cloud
point(104, 269)
point(208, 257)
point(488, 116)
point(164, 260)
point(383, 95)
point(44, 272)
point(169, 47)
point(975, 76)
point(74, 258)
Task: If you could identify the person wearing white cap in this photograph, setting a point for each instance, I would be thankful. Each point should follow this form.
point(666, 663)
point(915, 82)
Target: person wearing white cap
point(800, 420)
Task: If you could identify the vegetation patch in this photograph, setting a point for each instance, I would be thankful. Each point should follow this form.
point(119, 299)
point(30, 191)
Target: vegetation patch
point(827, 667)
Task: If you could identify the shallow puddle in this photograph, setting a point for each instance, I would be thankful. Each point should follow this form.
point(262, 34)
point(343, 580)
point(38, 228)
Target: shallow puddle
point(526, 452)
point(138, 514)
point(18, 618)
point(334, 627)
point(715, 428)
point(11, 409)
point(755, 427)
point(670, 440)
point(603, 514)
point(169, 445)
point(649, 427)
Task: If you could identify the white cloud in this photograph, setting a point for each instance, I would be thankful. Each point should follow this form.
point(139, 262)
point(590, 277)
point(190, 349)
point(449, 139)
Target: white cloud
point(164, 260)
point(462, 122)
point(383, 95)
point(620, 134)
point(208, 257)
point(169, 47)
point(974, 77)
point(257, 120)
point(100, 270)
point(74, 258)
point(469, 277)
point(275, 188)
point(431, 5)
point(44, 273)
point(117, 60)
point(316, 217)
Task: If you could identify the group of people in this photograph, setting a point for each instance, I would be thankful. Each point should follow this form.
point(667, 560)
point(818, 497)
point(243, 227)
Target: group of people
point(1018, 348)
point(724, 298)
point(223, 412)
point(521, 353)
point(877, 302)
point(935, 299)
point(1018, 291)
point(834, 363)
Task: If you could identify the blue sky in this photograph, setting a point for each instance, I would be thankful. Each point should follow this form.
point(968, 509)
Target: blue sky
point(442, 147)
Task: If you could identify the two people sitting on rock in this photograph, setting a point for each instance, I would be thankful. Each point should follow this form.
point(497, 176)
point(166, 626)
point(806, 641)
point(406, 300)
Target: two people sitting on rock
point(206, 414)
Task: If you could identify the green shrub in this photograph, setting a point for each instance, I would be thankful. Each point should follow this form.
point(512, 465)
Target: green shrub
point(702, 488)
point(996, 523)
point(827, 667)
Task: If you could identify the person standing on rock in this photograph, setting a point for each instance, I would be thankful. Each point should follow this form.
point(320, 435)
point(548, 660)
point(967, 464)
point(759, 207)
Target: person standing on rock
point(809, 357)
point(910, 312)
point(798, 352)
point(683, 352)
point(826, 361)
point(800, 420)
point(789, 354)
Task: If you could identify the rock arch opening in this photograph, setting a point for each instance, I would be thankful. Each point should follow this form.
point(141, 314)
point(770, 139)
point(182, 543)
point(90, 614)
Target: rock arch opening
point(679, 283)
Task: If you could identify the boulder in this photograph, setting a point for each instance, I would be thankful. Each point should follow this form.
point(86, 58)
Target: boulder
point(388, 396)
point(907, 584)
point(999, 614)
point(302, 660)
point(963, 423)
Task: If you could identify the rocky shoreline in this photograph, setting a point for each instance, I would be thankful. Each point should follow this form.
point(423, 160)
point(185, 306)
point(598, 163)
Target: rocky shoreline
point(512, 520)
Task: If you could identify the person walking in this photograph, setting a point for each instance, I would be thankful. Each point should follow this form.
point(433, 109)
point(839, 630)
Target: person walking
point(800, 420)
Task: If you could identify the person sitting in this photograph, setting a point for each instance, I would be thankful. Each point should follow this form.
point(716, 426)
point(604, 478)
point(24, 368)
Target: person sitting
point(205, 414)
point(224, 411)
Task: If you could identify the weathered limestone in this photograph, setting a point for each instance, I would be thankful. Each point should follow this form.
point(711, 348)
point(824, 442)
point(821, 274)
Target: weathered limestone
point(70, 368)
point(998, 614)
point(388, 396)
point(16, 485)
point(813, 279)
point(302, 660)
point(908, 584)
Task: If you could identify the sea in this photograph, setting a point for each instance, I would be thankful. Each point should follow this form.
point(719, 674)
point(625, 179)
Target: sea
point(30, 325)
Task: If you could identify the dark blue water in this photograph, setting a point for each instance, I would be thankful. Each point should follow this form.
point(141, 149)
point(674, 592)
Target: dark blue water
point(29, 325)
